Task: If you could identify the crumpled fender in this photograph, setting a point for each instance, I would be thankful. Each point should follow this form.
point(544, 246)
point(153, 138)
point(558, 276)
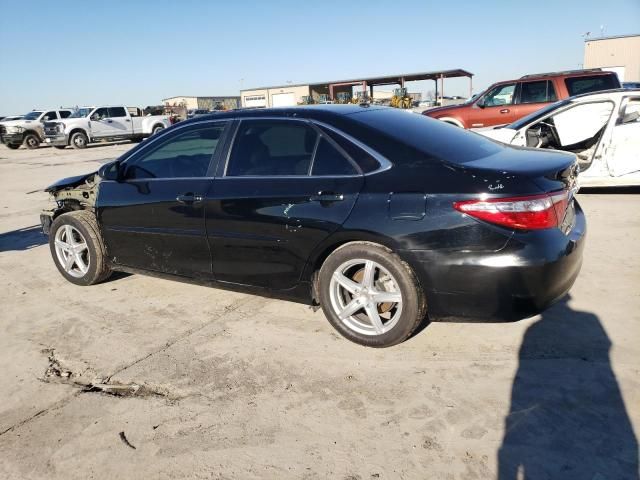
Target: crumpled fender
point(68, 182)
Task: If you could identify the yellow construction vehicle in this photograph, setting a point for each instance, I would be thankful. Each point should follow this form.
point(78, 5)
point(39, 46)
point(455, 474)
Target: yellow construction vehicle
point(401, 98)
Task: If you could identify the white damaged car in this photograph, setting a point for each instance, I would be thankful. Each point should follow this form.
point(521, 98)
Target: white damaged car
point(602, 129)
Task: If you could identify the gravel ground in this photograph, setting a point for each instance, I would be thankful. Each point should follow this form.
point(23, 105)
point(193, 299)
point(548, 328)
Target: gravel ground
point(146, 378)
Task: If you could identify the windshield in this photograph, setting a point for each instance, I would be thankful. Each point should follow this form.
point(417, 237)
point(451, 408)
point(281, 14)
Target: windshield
point(32, 115)
point(80, 112)
point(518, 124)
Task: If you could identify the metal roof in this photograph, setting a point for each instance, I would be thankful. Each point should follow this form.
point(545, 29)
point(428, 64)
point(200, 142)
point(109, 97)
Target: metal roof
point(379, 80)
point(612, 37)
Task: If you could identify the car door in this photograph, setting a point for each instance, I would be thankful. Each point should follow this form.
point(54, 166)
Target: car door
point(623, 152)
point(494, 108)
point(153, 216)
point(98, 123)
point(285, 187)
point(119, 122)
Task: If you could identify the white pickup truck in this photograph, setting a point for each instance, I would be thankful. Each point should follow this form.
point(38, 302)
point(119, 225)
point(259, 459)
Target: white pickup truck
point(99, 124)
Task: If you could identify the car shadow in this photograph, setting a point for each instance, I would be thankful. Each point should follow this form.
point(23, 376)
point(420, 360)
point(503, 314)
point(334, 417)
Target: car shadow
point(567, 418)
point(23, 239)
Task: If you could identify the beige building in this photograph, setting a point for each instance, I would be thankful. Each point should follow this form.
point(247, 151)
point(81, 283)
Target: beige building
point(620, 54)
point(205, 103)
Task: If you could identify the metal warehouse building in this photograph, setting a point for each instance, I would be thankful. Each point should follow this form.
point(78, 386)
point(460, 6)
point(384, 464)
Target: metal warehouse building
point(207, 103)
point(620, 54)
point(289, 95)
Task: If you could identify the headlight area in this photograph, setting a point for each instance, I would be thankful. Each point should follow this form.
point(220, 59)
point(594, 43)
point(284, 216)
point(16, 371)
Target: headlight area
point(16, 129)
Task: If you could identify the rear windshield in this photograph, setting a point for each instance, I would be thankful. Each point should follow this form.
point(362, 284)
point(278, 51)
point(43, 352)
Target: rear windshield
point(432, 137)
point(578, 85)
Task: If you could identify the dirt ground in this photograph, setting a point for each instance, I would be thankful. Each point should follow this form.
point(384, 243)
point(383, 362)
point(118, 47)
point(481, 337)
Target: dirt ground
point(146, 378)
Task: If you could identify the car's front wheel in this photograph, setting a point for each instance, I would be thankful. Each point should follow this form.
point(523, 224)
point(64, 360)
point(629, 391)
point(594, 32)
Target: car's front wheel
point(31, 141)
point(77, 248)
point(370, 295)
point(79, 140)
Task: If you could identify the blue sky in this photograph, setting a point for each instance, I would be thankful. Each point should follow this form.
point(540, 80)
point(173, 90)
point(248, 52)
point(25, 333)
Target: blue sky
point(137, 52)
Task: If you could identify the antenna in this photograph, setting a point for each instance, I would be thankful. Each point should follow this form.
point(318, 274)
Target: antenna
point(602, 28)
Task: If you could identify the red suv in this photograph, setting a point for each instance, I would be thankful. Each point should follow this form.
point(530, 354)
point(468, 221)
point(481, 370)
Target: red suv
point(506, 102)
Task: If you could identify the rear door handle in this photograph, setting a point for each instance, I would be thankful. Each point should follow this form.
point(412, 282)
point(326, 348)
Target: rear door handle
point(327, 197)
point(109, 120)
point(128, 120)
point(187, 198)
point(504, 110)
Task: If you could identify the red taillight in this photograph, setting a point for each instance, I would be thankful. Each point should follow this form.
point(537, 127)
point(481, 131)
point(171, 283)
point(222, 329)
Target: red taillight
point(534, 212)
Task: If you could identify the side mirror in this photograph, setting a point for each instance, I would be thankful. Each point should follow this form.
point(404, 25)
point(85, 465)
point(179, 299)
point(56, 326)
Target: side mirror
point(95, 117)
point(630, 117)
point(110, 171)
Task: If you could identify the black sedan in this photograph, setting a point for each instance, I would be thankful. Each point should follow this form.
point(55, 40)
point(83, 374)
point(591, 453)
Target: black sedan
point(380, 216)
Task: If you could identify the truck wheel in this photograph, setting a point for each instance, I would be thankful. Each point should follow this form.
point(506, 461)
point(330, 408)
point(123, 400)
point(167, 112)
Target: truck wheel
point(77, 249)
point(60, 147)
point(31, 141)
point(79, 140)
point(370, 295)
point(157, 129)
point(13, 146)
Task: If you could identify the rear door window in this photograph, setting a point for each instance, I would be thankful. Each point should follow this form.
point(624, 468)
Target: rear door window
point(115, 112)
point(272, 148)
point(578, 85)
point(65, 113)
point(541, 91)
point(330, 161)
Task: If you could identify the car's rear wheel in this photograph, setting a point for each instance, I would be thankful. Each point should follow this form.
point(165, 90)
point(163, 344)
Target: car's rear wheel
point(157, 129)
point(370, 295)
point(77, 248)
point(31, 141)
point(79, 140)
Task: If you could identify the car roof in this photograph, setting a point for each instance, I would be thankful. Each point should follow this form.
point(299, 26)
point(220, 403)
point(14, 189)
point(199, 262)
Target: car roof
point(565, 74)
point(306, 111)
point(616, 92)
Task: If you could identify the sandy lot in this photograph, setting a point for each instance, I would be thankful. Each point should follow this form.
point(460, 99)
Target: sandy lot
point(194, 382)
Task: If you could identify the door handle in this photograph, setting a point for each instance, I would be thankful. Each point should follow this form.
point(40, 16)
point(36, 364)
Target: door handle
point(187, 198)
point(327, 197)
point(128, 120)
point(504, 110)
point(109, 121)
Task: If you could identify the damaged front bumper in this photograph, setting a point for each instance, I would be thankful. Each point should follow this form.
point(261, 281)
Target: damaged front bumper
point(11, 138)
point(56, 140)
point(46, 219)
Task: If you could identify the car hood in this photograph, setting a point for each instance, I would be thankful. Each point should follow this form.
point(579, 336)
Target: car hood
point(502, 134)
point(438, 110)
point(19, 123)
point(68, 182)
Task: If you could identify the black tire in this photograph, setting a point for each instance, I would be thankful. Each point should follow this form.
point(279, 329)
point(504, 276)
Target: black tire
point(31, 141)
point(157, 129)
point(60, 147)
point(85, 222)
point(414, 305)
point(79, 140)
point(13, 146)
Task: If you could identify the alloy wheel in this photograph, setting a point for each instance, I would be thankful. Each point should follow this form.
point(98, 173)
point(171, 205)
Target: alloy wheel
point(365, 297)
point(72, 251)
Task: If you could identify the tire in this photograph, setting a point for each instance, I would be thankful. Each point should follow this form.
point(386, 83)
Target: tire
point(83, 228)
point(157, 129)
point(13, 146)
point(79, 140)
point(31, 141)
point(60, 147)
point(392, 279)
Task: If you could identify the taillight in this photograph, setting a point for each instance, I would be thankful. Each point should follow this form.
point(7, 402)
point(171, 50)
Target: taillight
point(534, 212)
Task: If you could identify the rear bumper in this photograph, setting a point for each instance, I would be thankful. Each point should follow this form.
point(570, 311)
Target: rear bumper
point(528, 274)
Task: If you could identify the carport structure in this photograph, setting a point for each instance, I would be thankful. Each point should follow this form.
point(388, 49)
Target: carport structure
point(400, 79)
